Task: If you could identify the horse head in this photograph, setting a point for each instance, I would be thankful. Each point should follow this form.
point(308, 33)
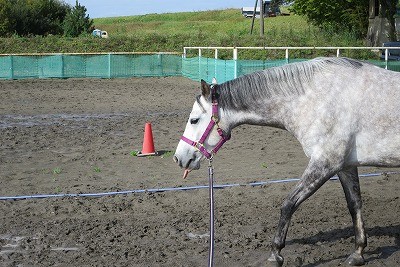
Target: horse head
point(203, 135)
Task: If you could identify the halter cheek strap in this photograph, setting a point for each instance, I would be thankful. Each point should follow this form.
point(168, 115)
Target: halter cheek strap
point(213, 121)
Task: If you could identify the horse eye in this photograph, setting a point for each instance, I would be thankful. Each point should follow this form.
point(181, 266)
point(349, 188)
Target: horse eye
point(194, 121)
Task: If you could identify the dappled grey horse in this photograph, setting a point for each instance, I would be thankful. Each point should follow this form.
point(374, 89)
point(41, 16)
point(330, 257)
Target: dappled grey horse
point(344, 113)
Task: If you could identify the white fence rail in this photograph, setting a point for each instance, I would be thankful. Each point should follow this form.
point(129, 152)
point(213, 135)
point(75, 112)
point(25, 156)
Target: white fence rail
point(287, 50)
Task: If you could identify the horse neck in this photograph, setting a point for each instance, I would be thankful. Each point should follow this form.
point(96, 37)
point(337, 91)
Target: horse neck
point(268, 112)
point(264, 111)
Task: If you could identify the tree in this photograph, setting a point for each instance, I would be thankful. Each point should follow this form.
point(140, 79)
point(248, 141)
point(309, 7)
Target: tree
point(32, 17)
point(351, 15)
point(5, 24)
point(77, 22)
point(388, 11)
point(275, 4)
point(382, 25)
point(46, 16)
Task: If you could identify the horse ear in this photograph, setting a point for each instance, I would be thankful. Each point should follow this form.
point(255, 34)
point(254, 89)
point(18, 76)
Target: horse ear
point(205, 88)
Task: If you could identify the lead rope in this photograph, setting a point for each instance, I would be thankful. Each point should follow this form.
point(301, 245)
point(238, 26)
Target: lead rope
point(211, 196)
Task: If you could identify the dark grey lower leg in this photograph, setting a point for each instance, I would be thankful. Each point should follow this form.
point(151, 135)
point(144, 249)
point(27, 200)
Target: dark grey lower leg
point(351, 186)
point(312, 179)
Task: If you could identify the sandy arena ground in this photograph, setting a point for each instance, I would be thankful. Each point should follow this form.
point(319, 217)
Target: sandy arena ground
point(77, 135)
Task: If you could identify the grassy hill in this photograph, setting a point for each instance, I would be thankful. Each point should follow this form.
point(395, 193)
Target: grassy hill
point(171, 32)
point(221, 28)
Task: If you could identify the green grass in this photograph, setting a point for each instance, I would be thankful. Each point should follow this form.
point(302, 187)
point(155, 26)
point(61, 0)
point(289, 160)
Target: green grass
point(57, 170)
point(171, 32)
point(96, 169)
point(167, 154)
point(134, 153)
point(264, 165)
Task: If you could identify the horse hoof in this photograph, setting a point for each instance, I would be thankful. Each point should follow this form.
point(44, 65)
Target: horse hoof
point(355, 260)
point(274, 261)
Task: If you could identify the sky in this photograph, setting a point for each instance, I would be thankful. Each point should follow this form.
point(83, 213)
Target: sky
point(116, 8)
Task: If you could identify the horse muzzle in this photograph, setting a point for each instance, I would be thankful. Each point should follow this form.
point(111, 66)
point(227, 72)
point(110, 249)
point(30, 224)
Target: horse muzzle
point(191, 163)
point(188, 164)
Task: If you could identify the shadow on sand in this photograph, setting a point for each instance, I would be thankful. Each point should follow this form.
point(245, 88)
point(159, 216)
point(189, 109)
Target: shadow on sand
point(337, 234)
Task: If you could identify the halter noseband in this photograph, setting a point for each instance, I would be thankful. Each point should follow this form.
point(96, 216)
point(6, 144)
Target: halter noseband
point(213, 121)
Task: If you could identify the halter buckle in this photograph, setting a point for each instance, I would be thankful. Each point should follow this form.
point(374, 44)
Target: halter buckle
point(210, 160)
point(215, 118)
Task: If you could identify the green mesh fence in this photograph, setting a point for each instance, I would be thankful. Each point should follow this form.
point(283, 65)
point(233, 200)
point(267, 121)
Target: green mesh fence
point(137, 65)
point(82, 66)
point(224, 70)
point(206, 68)
point(391, 65)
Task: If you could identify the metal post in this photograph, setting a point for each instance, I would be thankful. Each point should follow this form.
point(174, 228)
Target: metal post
point(11, 67)
point(261, 18)
point(254, 17)
point(160, 65)
point(62, 67)
point(338, 52)
point(211, 197)
point(109, 66)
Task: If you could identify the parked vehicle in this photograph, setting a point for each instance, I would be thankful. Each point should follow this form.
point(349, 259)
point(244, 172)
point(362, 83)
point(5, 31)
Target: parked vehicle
point(248, 12)
point(393, 54)
point(100, 33)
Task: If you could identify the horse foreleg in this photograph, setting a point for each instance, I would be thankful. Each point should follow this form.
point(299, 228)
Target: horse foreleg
point(316, 174)
point(351, 186)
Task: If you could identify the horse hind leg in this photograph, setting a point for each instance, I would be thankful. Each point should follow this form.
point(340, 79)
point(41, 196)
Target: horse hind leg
point(315, 175)
point(351, 186)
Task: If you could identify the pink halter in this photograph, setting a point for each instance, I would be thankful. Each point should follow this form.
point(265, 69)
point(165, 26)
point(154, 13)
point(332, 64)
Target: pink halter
point(213, 121)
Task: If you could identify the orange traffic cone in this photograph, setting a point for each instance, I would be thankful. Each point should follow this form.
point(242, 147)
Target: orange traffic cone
point(148, 144)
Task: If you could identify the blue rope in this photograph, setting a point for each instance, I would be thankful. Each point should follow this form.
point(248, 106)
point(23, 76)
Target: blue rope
point(168, 189)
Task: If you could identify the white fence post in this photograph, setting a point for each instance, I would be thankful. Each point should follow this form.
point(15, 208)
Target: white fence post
point(235, 57)
point(386, 57)
point(199, 63)
point(215, 62)
point(287, 55)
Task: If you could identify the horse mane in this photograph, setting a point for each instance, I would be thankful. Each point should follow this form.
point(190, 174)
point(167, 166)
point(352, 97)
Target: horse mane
point(291, 79)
